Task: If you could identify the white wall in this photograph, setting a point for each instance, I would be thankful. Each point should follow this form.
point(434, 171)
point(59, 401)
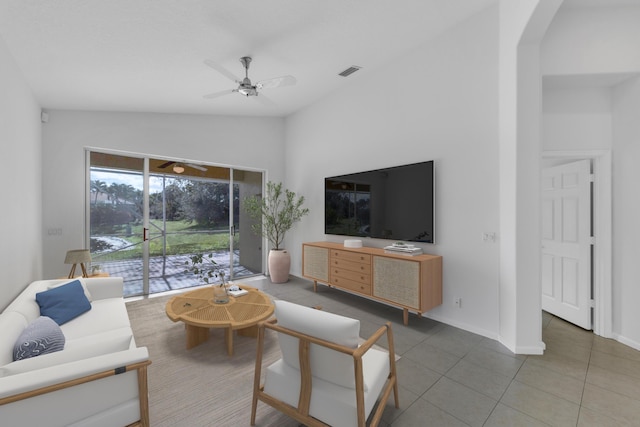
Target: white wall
point(21, 212)
point(522, 26)
point(256, 143)
point(438, 103)
point(626, 212)
point(577, 118)
point(592, 40)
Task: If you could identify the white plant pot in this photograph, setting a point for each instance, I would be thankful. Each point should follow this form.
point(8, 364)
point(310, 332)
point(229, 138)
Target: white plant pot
point(279, 265)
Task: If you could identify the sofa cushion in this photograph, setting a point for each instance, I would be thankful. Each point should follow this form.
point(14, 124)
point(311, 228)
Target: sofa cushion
point(105, 315)
point(26, 305)
point(109, 341)
point(84, 287)
point(326, 364)
point(41, 336)
point(63, 303)
point(74, 351)
point(12, 324)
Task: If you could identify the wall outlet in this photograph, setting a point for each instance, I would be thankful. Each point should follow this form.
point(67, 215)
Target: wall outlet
point(54, 231)
point(458, 302)
point(489, 237)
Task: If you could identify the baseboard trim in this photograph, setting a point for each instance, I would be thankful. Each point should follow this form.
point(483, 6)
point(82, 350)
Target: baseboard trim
point(626, 341)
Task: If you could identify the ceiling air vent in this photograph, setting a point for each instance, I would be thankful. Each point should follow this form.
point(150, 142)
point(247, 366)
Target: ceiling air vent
point(349, 71)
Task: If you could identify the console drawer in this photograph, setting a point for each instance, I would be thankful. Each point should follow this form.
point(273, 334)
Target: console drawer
point(351, 285)
point(351, 256)
point(350, 265)
point(356, 276)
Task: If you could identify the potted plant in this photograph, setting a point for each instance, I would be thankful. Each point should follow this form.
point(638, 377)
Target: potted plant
point(274, 215)
point(206, 269)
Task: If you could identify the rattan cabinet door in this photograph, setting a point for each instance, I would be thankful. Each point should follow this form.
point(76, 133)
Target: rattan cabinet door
point(315, 263)
point(397, 280)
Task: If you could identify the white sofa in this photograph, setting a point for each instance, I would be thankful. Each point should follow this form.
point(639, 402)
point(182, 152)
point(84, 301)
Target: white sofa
point(98, 379)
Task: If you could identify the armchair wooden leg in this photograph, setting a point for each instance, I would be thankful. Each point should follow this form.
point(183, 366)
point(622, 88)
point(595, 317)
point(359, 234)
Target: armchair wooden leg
point(254, 404)
point(143, 394)
point(395, 394)
point(257, 373)
point(392, 363)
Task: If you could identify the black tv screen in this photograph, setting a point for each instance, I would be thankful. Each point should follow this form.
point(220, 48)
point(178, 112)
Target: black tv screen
point(395, 203)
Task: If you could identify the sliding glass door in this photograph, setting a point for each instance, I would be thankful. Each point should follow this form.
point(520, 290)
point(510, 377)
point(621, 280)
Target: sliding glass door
point(246, 253)
point(116, 218)
point(148, 216)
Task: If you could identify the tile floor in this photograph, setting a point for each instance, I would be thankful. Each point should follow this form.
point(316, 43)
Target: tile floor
point(450, 377)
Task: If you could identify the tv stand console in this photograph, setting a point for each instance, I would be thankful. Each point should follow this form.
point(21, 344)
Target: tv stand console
point(413, 283)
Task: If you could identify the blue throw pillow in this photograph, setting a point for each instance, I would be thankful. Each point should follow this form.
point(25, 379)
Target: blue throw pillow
point(63, 303)
point(41, 336)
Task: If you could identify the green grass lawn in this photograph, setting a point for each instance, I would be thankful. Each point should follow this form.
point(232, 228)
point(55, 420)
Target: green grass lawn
point(181, 238)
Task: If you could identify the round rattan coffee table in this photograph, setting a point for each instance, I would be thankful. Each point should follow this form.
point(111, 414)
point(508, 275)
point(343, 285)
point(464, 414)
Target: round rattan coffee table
point(199, 313)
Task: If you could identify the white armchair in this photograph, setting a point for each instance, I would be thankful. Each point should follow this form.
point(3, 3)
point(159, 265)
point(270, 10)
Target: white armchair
point(325, 377)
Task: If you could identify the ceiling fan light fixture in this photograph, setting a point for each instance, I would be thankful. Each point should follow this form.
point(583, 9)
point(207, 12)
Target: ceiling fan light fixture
point(178, 168)
point(247, 91)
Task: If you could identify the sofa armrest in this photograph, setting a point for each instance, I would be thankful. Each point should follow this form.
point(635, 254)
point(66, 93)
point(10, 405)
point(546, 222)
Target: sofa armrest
point(104, 287)
point(34, 380)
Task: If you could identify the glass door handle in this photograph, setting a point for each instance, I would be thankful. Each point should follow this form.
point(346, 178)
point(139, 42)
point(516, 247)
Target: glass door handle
point(232, 230)
point(145, 234)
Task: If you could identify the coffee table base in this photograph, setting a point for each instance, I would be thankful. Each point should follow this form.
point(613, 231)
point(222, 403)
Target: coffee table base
point(196, 335)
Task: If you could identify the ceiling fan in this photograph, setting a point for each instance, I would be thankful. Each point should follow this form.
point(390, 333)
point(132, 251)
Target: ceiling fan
point(179, 167)
point(245, 87)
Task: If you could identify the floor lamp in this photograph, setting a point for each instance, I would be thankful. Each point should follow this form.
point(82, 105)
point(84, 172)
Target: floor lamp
point(78, 256)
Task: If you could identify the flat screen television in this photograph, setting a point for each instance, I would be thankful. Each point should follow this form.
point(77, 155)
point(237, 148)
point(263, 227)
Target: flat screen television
point(394, 203)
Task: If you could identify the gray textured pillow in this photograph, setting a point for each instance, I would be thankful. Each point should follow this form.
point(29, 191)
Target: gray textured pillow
point(41, 336)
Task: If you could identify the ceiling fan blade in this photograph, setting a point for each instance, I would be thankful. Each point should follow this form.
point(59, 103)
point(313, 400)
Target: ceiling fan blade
point(165, 164)
point(276, 82)
point(219, 68)
point(264, 100)
point(219, 94)
point(200, 168)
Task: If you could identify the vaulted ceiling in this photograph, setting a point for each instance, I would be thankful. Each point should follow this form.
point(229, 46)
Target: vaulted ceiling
point(148, 55)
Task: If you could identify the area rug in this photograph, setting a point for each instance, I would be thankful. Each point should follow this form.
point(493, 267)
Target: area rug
point(202, 386)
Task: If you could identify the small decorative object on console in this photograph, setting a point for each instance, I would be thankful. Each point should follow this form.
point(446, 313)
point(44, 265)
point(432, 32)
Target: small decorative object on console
point(352, 243)
point(402, 248)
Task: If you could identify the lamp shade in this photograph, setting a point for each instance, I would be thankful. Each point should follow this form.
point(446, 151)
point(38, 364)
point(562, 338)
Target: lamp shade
point(78, 256)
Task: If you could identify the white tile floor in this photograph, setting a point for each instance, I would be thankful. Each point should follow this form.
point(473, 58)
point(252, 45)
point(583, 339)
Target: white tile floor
point(450, 377)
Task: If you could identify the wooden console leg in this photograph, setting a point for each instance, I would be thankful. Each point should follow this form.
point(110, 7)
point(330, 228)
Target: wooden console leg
point(315, 286)
point(405, 316)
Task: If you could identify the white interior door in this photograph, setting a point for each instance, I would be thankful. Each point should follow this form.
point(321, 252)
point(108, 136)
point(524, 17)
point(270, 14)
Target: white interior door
point(566, 242)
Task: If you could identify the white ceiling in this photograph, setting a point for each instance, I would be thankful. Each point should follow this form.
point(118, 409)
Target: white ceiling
point(147, 55)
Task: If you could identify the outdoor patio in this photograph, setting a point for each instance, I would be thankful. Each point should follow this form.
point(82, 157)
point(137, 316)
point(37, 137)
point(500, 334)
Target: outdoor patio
point(168, 273)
